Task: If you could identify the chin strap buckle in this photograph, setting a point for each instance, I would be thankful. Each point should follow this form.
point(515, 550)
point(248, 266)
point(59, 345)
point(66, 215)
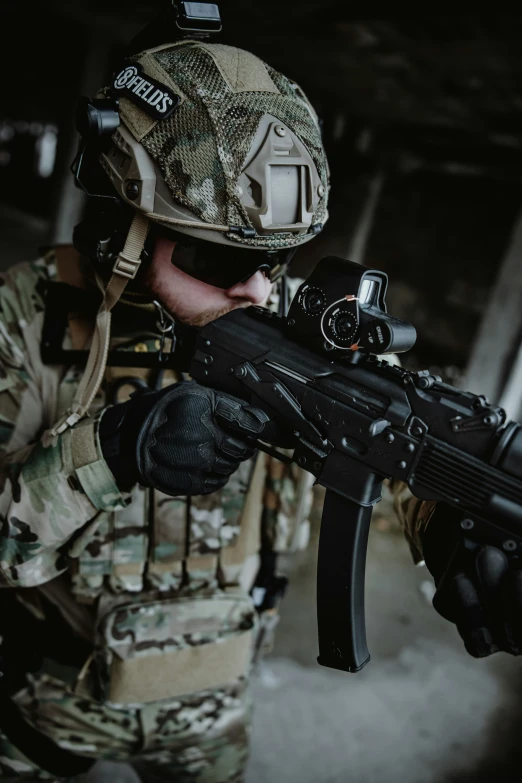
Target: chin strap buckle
point(126, 267)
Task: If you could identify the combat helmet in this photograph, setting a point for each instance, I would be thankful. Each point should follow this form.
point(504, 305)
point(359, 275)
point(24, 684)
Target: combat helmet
point(237, 156)
point(208, 141)
point(239, 159)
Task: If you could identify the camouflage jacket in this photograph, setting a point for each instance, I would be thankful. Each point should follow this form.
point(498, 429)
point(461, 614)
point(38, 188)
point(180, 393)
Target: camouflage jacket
point(61, 511)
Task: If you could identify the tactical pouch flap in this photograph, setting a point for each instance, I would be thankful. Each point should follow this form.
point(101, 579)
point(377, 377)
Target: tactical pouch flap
point(164, 649)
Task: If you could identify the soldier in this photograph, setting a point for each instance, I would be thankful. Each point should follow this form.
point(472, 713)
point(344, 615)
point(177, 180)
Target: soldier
point(129, 553)
point(132, 526)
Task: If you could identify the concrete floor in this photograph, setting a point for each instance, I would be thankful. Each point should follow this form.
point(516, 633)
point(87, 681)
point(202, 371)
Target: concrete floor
point(422, 711)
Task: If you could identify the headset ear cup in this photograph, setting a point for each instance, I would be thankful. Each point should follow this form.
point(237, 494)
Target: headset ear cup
point(101, 236)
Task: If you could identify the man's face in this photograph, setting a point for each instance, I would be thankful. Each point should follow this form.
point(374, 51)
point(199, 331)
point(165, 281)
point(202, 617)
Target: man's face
point(191, 301)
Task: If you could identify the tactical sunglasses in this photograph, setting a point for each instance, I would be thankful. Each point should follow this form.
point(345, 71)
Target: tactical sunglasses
point(223, 266)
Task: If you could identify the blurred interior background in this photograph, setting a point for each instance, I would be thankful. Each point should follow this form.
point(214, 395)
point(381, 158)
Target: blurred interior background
point(422, 121)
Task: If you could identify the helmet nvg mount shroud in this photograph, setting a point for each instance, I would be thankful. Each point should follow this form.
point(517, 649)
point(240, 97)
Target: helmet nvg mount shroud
point(202, 139)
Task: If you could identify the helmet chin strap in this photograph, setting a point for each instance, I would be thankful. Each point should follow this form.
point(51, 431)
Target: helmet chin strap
point(124, 270)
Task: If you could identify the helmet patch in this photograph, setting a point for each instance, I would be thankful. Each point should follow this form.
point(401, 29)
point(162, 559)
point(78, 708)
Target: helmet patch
point(156, 99)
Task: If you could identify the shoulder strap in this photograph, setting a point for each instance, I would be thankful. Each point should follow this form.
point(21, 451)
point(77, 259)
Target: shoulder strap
point(125, 269)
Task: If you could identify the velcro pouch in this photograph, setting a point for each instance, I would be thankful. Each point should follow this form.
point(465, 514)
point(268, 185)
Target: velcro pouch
point(151, 651)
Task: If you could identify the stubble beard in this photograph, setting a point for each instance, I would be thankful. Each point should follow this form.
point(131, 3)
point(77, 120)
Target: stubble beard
point(205, 318)
point(153, 282)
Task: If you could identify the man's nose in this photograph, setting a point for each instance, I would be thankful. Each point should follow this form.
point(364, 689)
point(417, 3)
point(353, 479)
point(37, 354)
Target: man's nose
point(255, 289)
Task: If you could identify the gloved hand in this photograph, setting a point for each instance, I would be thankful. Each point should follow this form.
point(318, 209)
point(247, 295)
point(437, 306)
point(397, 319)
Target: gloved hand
point(478, 588)
point(183, 440)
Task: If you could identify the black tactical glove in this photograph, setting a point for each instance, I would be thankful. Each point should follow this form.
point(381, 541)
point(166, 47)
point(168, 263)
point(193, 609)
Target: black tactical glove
point(478, 587)
point(183, 440)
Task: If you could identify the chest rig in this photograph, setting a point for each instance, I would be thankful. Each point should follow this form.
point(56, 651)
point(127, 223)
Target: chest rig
point(157, 543)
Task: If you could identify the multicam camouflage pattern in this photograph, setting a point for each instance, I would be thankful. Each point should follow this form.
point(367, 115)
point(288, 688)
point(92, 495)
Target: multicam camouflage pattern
point(226, 92)
point(69, 523)
point(198, 738)
point(286, 507)
point(43, 492)
point(413, 514)
point(137, 630)
point(38, 509)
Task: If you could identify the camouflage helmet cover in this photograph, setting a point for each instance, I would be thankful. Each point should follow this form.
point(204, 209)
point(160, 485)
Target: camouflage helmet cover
point(242, 136)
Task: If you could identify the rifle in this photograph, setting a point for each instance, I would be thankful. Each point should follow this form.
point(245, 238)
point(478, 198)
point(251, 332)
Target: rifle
point(357, 420)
